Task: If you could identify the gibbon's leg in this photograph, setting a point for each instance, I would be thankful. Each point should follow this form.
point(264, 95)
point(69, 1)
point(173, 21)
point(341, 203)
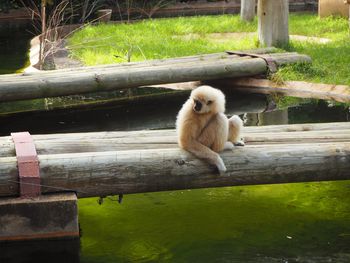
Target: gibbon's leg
point(235, 127)
point(215, 134)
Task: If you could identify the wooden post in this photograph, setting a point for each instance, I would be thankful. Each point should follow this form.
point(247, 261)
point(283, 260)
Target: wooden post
point(247, 10)
point(333, 7)
point(273, 22)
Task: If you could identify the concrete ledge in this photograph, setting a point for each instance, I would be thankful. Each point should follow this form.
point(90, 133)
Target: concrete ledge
point(46, 217)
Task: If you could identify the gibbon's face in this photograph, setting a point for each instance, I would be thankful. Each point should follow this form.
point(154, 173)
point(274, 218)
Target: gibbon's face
point(206, 99)
point(203, 104)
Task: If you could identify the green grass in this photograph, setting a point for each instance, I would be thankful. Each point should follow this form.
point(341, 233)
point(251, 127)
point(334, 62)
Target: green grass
point(183, 36)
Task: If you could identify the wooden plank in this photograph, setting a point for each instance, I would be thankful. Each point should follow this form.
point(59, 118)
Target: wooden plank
point(123, 172)
point(301, 89)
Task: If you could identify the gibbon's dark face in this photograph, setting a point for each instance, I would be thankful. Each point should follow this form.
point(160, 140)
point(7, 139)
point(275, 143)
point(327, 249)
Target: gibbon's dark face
point(207, 100)
point(202, 104)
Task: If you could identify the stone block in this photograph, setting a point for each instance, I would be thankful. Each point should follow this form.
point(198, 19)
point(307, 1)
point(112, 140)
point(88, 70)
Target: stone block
point(52, 216)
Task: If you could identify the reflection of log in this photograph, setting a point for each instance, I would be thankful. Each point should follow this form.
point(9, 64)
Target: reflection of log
point(300, 89)
point(138, 112)
point(130, 162)
point(116, 77)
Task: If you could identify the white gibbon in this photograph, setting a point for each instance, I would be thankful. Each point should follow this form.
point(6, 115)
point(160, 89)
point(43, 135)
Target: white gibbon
point(204, 130)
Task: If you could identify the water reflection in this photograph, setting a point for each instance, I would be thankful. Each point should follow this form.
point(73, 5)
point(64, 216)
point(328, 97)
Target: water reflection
point(158, 114)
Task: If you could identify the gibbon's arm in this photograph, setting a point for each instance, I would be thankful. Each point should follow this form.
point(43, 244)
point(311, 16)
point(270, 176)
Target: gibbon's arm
point(203, 152)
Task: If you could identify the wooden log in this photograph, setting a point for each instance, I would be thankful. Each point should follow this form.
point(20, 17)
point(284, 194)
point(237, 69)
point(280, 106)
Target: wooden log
point(121, 141)
point(78, 144)
point(155, 62)
point(273, 22)
point(123, 172)
point(301, 89)
point(248, 10)
point(93, 80)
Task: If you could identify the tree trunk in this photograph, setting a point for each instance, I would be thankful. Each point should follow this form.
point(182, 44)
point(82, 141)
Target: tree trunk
point(273, 22)
point(248, 10)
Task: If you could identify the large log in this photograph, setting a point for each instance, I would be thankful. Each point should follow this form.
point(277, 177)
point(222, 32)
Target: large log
point(273, 22)
point(97, 79)
point(137, 171)
point(301, 89)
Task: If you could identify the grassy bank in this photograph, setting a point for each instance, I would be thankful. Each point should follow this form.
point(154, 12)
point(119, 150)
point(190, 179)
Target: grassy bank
point(165, 38)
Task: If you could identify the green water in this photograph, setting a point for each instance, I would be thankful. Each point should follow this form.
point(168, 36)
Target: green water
point(280, 223)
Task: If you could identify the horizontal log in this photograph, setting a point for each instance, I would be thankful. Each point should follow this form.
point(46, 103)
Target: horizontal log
point(124, 172)
point(154, 62)
point(301, 89)
point(58, 83)
point(114, 141)
point(161, 139)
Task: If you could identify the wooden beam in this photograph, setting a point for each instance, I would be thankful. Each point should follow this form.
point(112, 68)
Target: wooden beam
point(273, 22)
point(301, 89)
point(115, 77)
point(138, 171)
point(162, 139)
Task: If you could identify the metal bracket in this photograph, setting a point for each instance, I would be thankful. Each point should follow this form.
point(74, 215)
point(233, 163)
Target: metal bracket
point(28, 164)
point(270, 62)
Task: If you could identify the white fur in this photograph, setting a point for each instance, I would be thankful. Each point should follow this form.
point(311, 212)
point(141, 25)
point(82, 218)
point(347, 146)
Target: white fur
point(207, 131)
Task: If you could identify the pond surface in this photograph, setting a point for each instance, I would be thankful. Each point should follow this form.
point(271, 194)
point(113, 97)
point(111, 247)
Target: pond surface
point(305, 222)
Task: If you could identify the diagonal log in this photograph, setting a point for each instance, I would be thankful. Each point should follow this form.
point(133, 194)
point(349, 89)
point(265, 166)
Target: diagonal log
point(301, 89)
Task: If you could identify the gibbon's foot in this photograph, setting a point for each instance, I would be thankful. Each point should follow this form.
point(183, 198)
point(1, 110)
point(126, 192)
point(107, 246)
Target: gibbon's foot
point(239, 143)
point(228, 146)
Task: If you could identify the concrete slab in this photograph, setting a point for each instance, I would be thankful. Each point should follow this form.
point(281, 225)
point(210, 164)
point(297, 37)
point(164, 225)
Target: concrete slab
point(53, 216)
